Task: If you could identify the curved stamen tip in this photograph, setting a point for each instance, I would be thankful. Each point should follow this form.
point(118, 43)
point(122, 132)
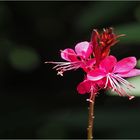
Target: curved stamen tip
point(60, 73)
point(131, 97)
point(89, 100)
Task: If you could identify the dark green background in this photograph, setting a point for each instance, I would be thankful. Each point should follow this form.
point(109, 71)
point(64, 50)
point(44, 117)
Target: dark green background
point(34, 101)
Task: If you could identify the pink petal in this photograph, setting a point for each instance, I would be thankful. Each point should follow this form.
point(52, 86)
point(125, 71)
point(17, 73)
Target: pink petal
point(88, 65)
point(84, 87)
point(95, 75)
point(125, 65)
point(131, 73)
point(108, 63)
point(68, 55)
point(91, 62)
point(101, 83)
point(83, 49)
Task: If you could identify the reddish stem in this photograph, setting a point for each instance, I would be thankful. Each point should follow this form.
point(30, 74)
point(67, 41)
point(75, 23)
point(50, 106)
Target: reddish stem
point(91, 117)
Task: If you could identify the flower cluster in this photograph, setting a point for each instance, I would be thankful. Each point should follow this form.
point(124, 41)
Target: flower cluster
point(102, 70)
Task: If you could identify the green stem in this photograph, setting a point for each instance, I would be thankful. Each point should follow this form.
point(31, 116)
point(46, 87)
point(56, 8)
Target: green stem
point(91, 117)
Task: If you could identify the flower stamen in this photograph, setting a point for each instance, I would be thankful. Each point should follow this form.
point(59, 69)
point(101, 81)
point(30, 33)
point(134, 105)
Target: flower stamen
point(115, 80)
point(61, 67)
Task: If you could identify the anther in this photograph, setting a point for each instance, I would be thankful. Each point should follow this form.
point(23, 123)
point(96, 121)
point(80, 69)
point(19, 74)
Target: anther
point(131, 97)
point(60, 73)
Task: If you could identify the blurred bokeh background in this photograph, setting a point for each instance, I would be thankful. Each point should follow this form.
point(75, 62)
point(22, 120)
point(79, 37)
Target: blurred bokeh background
point(34, 101)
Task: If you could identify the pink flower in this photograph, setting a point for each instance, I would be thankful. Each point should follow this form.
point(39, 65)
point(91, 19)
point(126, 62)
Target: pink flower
point(78, 58)
point(113, 71)
point(103, 71)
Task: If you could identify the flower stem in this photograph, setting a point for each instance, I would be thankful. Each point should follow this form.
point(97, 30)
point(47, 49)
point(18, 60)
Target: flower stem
point(91, 117)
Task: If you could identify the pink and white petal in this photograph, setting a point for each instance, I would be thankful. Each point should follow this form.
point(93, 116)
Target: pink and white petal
point(108, 63)
point(125, 65)
point(84, 87)
point(83, 49)
point(131, 73)
point(95, 75)
point(68, 55)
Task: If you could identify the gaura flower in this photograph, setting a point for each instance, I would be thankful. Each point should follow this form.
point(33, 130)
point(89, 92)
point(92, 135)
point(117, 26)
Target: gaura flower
point(102, 71)
point(112, 72)
point(101, 43)
point(78, 58)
